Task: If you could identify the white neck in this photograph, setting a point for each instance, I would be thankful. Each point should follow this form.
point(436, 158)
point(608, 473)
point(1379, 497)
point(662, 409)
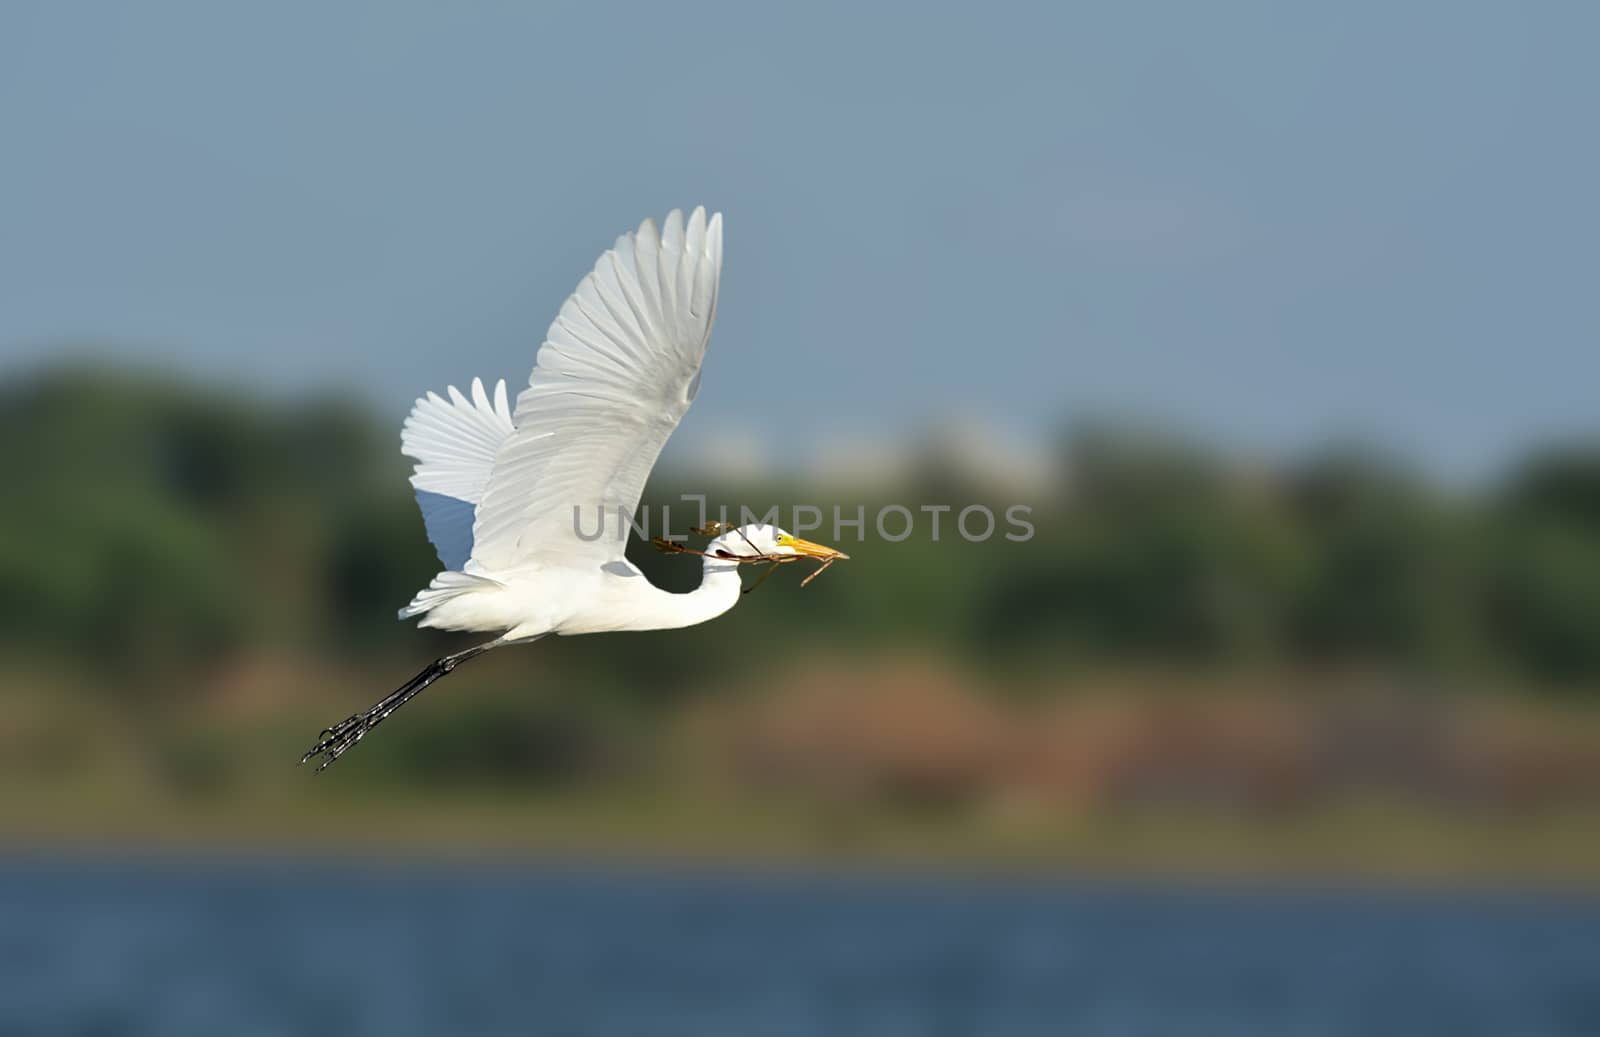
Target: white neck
point(648, 607)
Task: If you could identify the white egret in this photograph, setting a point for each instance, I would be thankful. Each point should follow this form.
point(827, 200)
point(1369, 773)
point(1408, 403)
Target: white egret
point(501, 489)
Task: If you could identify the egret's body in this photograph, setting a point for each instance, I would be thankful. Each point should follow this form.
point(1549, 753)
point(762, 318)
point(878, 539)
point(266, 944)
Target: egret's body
point(532, 602)
point(502, 489)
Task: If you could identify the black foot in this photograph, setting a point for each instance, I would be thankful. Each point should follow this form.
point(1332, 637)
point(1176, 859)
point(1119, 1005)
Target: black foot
point(335, 741)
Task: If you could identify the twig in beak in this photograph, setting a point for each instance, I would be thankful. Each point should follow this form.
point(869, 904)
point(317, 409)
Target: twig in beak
point(666, 546)
point(818, 571)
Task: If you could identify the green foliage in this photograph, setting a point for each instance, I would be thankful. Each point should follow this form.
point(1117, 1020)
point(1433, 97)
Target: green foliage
point(1162, 555)
point(1561, 484)
point(1388, 563)
point(152, 528)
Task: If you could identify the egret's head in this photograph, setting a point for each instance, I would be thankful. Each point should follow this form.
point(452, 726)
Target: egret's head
point(762, 538)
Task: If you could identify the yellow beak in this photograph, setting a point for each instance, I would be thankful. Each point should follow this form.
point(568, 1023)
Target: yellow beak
point(810, 550)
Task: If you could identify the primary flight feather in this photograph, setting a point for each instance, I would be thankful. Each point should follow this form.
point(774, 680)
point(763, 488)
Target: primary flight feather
point(502, 488)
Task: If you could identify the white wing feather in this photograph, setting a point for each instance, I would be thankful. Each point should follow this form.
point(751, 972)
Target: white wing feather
point(454, 442)
point(617, 371)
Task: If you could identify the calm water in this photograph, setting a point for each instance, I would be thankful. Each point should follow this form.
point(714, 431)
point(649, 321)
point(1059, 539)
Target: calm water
point(233, 949)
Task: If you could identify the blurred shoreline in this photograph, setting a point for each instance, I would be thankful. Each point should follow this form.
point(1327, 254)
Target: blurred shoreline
point(1156, 851)
point(884, 768)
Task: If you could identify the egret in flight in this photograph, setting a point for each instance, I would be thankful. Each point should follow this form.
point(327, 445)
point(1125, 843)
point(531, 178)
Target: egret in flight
point(501, 487)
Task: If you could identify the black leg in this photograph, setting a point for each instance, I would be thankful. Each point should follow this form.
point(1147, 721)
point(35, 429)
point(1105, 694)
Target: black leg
point(335, 741)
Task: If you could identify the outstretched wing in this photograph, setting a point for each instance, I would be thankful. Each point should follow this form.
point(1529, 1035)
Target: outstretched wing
point(617, 371)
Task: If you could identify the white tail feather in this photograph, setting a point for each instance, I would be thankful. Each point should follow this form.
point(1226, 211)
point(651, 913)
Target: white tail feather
point(442, 588)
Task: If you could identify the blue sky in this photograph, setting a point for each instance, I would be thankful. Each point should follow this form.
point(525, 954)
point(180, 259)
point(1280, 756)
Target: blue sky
point(1266, 223)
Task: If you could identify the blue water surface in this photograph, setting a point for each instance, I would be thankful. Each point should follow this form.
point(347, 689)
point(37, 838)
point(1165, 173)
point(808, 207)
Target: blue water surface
point(250, 948)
